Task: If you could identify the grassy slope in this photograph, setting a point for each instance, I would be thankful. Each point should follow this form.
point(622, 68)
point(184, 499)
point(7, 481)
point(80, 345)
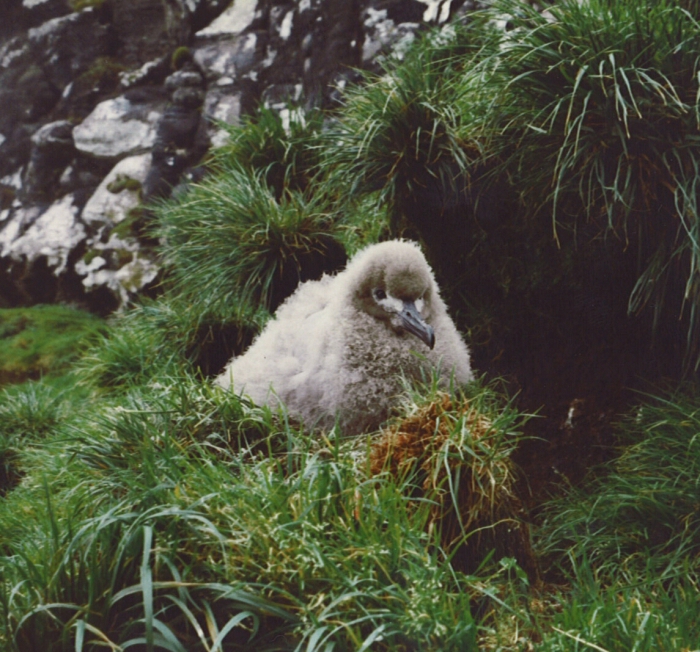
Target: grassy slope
point(144, 509)
point(145, 512)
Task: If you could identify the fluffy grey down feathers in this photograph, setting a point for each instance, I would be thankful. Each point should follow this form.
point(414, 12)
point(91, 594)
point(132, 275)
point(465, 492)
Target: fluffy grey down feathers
point(336, 349)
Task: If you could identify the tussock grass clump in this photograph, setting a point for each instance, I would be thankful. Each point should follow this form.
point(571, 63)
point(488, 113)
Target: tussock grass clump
point(167, 336)
point(402, 127)
point(27, 413)
point(132, 352)
point(32, 409)
point(457, 451)
point(230, 241)
point(400, 136)
point(284, 148)
point(596, 124)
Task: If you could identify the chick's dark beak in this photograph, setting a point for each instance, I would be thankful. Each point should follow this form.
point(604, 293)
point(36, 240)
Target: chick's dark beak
point(412, 321)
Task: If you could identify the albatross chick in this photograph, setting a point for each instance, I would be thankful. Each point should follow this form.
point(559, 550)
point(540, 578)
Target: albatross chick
point(336, 350)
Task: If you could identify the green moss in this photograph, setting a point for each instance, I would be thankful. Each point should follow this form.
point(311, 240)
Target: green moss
point(124, 182)
point(90, 255)
point(180, 57)
point(43, 340)
point(31, 75)
point(79, 5)
point(124, 257)
point(104, 72)
point(132, 225)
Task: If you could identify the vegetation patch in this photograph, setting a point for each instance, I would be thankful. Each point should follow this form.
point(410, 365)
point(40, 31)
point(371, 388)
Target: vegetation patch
point(43, 340)
point(263, 247)
point(641, 515)
point(285, 152)
point(124, 182)
point(548, 163)
point(165, 337)
point(180, 57)
point(158, 518)
point(103, 74)
point(29, 412)
point(620, 552)
point(460, 459)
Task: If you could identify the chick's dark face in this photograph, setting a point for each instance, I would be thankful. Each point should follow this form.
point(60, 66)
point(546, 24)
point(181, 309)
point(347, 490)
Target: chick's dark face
point(401, 297)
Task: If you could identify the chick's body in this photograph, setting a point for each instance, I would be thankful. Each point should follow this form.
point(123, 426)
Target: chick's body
point(337, 348)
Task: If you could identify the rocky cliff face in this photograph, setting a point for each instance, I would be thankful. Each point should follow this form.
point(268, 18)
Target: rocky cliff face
point(106, 104)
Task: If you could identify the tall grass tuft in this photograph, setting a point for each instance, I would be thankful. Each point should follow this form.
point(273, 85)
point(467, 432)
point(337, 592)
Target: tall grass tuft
point(597, 124)
point(400, 136)
point(28, 414)
point(230, 241)
point(402, 127)
point(283, 147)
point(169, 335)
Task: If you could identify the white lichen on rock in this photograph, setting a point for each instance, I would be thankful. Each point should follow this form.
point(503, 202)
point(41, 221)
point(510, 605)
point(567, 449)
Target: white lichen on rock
point(107, 206)
point(54, 234)
point(232, 21)
point(117, 128)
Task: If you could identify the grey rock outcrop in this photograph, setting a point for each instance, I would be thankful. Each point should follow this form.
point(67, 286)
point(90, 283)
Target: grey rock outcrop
point(52, 150)
point(117, 194)
point(118, 128)
point(181, 138)
point(107, 107)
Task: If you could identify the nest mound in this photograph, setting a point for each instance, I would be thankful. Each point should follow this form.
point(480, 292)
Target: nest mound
point(461, 462)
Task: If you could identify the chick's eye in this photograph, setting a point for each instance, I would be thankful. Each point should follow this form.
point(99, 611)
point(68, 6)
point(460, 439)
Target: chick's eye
point(379, 294)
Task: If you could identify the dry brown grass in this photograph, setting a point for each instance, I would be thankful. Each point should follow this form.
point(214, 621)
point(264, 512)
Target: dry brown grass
point(462, 464)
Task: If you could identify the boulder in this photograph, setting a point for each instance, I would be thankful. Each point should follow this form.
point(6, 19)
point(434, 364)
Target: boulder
point(67, 46)
point(224, 61)
point(118, 193)
point(389, 31)
point(221, 105)
point(150, 73)
point(119, 266)
point(26, 93)
point(19, 15)
point(14, 222)
point(233, 21)
point(117, 128)
point(147, 29)
point(51, 234)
